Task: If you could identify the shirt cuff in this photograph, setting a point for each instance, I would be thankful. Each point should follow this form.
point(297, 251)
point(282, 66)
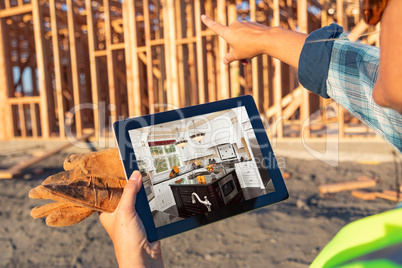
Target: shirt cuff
point(315, 58)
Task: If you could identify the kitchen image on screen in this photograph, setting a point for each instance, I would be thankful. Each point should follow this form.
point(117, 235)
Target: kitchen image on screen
point(200, 164)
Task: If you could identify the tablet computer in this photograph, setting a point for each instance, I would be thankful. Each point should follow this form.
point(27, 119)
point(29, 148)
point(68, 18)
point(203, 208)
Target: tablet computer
point(199, 164)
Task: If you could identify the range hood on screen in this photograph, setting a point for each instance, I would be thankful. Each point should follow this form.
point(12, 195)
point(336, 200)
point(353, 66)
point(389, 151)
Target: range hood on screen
point(226, 151)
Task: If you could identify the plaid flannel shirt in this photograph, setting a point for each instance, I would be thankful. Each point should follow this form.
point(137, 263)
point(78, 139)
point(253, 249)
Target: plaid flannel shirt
point(332, 66)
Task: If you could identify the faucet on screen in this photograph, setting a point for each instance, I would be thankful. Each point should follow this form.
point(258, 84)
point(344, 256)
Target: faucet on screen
point(205, 202)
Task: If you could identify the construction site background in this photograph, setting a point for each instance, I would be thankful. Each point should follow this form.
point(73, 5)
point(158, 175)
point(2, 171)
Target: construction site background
point(72, 67)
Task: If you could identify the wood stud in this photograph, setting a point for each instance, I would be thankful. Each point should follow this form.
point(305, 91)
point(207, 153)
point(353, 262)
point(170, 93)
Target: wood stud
point(168, 58)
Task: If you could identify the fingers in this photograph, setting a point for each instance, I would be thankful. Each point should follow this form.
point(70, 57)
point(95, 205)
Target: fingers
point(73, 160)
point(155, 248)
point(229, 57)
point(218, 28)
point(133, 186)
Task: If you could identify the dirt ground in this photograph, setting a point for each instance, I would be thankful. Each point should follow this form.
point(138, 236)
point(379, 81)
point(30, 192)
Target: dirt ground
point(287, 234)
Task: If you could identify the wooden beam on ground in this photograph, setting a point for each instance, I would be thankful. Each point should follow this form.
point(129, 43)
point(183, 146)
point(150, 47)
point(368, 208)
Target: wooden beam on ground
point(390, 195)
point(18, 168)
point(57, 67)
point(346, 186)
point(364, 195)
point(42, 68)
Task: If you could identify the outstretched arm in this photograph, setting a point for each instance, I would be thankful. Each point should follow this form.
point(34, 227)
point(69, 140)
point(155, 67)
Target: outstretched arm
point(250, 39)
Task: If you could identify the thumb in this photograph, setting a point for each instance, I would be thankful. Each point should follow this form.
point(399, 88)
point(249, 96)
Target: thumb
point(129, 196)
point(229, 57)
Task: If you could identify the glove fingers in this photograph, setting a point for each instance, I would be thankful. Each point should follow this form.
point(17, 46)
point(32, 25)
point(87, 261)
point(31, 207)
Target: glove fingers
point(73, 160)
point(40, 192)
point(92, 192)
point(44, 211)
point(67, 216)
point(64, 177)
point(106, 162)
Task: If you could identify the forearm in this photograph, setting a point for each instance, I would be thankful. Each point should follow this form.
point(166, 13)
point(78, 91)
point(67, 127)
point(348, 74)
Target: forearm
point(283, 44)
point(249, 39)
point(387, 91)
point(351, 77)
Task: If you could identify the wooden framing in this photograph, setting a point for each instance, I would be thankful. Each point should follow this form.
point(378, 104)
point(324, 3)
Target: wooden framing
point(223, 91)
point(277, 80)
point(170, 43)
point(200, 53)
point(341, 20)
point(57, 67)
point(42, 70)
point(149, 63)
point(110, 62)
point(12, 11)
point(234, 66)
point(5, 115)
point(93, 69)
point(128, 57)
point(305, 111)
point(133, 75)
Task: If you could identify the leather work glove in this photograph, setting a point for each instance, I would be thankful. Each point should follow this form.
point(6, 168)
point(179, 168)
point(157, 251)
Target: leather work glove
point(91, 182)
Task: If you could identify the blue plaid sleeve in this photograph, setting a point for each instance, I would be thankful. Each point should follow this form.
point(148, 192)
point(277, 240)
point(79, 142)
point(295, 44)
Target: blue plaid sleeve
point(352, 74)
point(315, 58)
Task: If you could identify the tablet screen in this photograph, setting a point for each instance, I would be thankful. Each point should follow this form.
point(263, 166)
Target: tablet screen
point(200, 164)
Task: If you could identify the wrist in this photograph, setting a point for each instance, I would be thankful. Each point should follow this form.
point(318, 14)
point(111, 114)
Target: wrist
point(147, 255)
point(270, 40)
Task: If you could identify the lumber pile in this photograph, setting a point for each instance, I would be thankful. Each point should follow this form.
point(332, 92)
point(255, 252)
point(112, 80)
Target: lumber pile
point(361, 182)
point(372, 195)
point(358, 190)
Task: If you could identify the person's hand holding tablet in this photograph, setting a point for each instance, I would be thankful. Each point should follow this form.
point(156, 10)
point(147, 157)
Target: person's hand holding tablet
point(127, 232)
